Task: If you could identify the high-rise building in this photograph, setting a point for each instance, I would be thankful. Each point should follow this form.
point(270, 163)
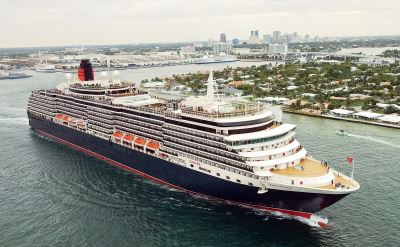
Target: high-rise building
point(190, 49)
point(267, 38)
point(254, 39)
point(220, 47)
point(277, 48)
point(222, 37)
point(276, 37)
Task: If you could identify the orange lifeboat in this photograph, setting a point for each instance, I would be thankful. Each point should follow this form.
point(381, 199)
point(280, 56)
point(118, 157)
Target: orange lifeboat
point(118, 135)
point(81, 124)
point(140, 141)
point(59, 116)
point(153, 145)
point(65, 118)
point(73, 121)
point(128, 138)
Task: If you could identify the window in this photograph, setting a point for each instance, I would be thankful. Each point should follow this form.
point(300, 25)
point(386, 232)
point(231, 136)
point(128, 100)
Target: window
point(227, 177)
point(218, 174)
point(237, 180)
point(250, 184)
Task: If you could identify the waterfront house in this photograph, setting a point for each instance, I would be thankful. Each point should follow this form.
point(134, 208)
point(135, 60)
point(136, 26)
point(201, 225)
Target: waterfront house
point(366, 115)
point(390, 119)
point(341, 112)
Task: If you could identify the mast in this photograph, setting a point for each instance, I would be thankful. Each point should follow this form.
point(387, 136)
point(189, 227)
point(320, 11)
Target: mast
point(210, 87)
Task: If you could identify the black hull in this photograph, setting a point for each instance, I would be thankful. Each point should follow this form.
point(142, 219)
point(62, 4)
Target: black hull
point(294, 203)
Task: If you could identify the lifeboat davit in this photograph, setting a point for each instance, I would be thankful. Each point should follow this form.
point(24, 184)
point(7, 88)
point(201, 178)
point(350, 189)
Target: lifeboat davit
point(140, 141)
point(118, 135)
point(153, 145)
point(128, 138)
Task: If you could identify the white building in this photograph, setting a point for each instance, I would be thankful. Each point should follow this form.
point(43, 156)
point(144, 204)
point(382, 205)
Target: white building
point(277, 48)
point(188, 49)
point(342, 112)
point(374, 62)
point(391, 119)
point(254, 39)
point(367, 115)
point(276, 37)
point(267, 38)
point(220, 47)
point(273, 100)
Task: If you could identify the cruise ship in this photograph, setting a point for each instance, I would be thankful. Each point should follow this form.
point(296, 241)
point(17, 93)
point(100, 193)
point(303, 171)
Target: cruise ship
point(228, 149)
point(222, 58)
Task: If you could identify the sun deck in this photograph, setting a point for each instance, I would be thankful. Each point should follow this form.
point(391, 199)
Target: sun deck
point(314, 168)
point(307, 168)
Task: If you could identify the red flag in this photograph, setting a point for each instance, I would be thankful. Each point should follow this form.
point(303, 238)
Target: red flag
point(350, 160)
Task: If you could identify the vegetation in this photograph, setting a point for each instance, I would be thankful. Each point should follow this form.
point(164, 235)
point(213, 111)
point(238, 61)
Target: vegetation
point(318, 86)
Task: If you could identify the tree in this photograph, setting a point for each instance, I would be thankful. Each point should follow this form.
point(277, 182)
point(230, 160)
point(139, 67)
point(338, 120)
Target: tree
point(391, 109)
point(334, 105)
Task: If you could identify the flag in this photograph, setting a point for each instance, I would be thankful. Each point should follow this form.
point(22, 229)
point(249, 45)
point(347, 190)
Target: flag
point(350, 160)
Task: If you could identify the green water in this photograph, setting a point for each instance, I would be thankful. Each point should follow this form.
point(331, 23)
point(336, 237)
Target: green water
point(51, 195)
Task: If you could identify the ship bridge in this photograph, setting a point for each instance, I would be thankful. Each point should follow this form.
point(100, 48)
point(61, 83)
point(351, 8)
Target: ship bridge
point(259, 136)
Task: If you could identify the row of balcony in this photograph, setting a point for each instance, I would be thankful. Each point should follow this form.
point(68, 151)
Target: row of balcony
point(204, 154)
point(136, 127)
point(211, 162)
point(195, 139)
point(232, 157)
point(191, 131)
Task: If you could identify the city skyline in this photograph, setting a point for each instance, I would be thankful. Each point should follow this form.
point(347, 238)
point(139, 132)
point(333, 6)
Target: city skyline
point(43, 23)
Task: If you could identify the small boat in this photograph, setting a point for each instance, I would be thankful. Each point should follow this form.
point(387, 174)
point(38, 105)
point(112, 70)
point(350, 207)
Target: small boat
point(13, 75)
point(45, 68)
point(340, 132)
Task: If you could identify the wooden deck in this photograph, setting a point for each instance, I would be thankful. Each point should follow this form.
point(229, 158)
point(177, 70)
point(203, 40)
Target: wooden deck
point(310, 168)
point(337, 180)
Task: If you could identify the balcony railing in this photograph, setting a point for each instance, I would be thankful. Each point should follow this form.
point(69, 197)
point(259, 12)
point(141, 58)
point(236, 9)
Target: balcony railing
point(248, 109)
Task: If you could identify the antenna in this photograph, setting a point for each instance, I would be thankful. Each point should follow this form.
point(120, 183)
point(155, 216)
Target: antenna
point(68, 76)
point(210, 86)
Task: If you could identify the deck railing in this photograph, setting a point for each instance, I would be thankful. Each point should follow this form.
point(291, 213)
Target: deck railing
point(249, 110)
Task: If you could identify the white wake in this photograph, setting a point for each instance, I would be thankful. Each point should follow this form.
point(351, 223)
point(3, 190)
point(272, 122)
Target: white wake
point(15, 121)
point(374, 139)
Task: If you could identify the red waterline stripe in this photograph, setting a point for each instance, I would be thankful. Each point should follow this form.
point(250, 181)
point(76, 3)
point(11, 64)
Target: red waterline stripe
point(115, 163)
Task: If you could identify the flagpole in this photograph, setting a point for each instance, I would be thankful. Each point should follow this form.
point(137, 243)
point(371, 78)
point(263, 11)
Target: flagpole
point(352, 171)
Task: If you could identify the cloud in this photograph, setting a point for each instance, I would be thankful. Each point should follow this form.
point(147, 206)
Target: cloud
point(46, 22)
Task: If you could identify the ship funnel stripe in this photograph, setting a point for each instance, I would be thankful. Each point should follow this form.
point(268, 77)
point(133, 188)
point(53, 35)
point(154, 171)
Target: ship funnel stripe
point(85, 71)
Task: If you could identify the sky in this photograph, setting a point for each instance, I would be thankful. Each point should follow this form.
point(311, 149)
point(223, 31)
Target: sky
point(28, 23)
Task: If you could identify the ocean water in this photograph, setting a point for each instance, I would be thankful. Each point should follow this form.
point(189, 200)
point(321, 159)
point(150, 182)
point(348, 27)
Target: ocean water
point(52, 195)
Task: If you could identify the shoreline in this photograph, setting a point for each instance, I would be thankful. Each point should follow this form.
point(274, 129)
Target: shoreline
point(342, 119)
